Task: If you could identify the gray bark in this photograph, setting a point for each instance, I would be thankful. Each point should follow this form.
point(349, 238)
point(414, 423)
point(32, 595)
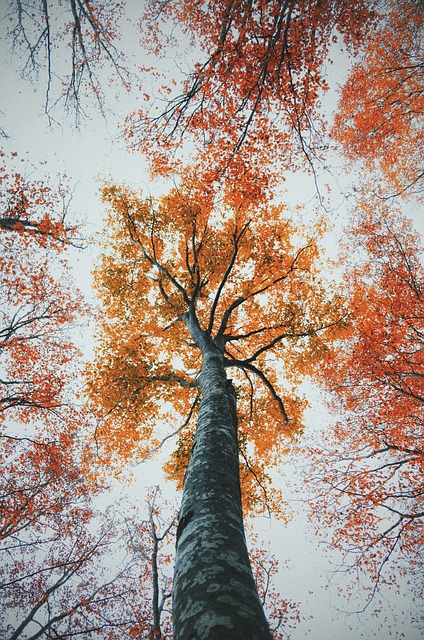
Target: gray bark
point(214, 593)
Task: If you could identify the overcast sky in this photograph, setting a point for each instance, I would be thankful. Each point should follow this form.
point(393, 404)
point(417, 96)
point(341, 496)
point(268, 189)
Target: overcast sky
point(85, 157)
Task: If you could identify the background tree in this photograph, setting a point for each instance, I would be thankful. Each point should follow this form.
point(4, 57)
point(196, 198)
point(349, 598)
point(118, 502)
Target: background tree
point(83, 571)
point(371, 468)
point(191, 289)
point(55, 543)
point(379, 121)
point(283, 615)
point(376, 474)
point(252, 96)
point(68, 42)
point(158, 531)
point(38, 305)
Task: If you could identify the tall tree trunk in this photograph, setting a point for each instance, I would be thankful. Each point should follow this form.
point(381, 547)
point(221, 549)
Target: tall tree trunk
point(214, 593)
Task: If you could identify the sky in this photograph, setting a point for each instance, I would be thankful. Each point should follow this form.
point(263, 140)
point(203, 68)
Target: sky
point(96, 151)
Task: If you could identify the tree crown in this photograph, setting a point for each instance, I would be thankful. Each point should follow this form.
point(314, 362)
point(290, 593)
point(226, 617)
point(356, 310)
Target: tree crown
point(180, 275)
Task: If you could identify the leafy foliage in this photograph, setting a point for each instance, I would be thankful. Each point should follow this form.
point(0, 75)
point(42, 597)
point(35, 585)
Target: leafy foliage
point(252, 96)
point(54, 541)
point(371, 470)
point(246, 277)
point(38, 307)
point(380, 116)
point(84, 570)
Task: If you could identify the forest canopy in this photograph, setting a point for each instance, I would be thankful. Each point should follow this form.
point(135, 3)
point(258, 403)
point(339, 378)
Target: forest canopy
point(228, 344)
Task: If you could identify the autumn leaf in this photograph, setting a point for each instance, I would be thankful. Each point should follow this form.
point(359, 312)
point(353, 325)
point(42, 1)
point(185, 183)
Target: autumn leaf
point(255, 290)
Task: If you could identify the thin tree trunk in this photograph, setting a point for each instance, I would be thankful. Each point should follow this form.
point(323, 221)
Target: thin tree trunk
point(214, 593)
point(156, 630)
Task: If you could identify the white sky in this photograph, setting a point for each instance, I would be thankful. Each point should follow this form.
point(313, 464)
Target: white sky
point(94, 152)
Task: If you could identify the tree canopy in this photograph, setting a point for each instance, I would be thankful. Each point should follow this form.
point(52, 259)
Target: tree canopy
point(380, 117)
point(54, 540)
point(38, 304)
point(244, 276)
point(371, 467)
point(250, 103)
point(217, 265)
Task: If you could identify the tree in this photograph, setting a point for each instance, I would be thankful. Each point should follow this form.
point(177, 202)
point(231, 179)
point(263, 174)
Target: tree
point(192, 288)
point(54, 541)
point(253, 96)
point(379, 121)
point(236, 137)
point(82, 571)
point(38, 307)
point(51, 579)
point(370, 469)
point(79, 33)
point(158, 530)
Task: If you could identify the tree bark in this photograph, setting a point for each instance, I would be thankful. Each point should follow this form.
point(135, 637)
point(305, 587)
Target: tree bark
point(214, 593)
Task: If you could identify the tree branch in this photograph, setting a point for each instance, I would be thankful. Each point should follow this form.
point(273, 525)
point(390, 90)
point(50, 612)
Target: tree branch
point(236, 303)
point(241, 364)
point(235, 239)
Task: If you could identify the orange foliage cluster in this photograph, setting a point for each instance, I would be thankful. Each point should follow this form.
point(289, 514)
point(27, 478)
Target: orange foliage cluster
point(380, 116)
point(253, 97)
point(252, 278)
point(373, 475)
point(370, 468)
point(42, 493)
